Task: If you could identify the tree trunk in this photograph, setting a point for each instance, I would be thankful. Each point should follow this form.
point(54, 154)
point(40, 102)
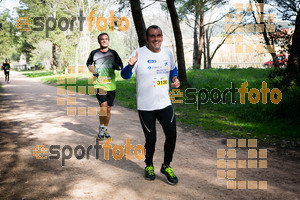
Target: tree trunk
point(201, 36)
point(205, 43)
point(77, 58)
point(178, 40)
point(196, 44)
point(265, 34)
point(209, 59)
point(293, 66)
point(54, 62)
point(138, 20)
point(275, 59)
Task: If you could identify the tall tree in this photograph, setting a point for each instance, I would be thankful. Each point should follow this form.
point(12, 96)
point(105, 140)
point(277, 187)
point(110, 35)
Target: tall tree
point(43, 9)
point(198, 9)
point(138, 20)
point(209, 28)
point(8, 39)
point(55, 53)
point(290, 10)
point(178, 39)
point(261, 11)
point(66, 46)
point(191, 8)
point(196, 56)
point(208, 53)
point(293, 66)
point(201, 32)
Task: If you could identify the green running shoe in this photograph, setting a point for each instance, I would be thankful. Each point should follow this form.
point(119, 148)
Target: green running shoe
point(149, 173)
point(169, 173)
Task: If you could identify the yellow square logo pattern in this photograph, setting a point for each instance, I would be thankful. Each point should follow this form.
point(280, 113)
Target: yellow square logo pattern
point(228, 164)
point(234, 24)
point(67, 90)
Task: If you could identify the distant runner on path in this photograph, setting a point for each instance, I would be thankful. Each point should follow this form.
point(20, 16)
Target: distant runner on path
point(154, 67)
point(106, 61)
point(6, 69)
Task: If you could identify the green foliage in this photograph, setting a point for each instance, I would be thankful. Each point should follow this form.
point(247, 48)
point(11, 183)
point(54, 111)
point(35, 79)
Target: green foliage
point(68, 42)
point(41, 74)
point(196, 67)
point(7, 36)
point(27, 49)
point(126, 92)
point(289, 105)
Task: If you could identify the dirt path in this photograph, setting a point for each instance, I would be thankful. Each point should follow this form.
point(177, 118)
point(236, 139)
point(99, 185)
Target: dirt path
point(30, 116)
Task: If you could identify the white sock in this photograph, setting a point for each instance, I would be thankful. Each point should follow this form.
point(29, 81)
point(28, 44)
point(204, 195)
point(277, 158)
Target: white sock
point(101, 125)
point(105, 128)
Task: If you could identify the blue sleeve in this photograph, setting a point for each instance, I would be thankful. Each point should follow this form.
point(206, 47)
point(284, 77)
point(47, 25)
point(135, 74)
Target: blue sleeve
point(126, 72)
point(173, 73)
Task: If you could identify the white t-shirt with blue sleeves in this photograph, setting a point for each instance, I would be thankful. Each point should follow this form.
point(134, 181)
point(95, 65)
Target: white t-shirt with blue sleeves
point(152, 78)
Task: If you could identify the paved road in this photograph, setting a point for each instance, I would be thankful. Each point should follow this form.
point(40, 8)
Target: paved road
point(30, 116)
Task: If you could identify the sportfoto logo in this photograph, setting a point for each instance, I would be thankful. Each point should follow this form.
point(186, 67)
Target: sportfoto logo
point(66, 152)
point(202, 96)
point(228, 163)
point(63, 23)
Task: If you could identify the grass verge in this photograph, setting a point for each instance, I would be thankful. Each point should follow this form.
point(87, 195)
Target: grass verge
point(262, 121)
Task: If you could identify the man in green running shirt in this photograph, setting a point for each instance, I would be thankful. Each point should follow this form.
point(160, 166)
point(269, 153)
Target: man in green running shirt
point(106, 61)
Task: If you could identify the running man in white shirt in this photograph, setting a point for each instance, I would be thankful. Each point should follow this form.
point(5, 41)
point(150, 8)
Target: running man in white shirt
point(154, 67)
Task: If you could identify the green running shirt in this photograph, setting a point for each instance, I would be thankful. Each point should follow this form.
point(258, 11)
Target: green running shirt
point(104, 62)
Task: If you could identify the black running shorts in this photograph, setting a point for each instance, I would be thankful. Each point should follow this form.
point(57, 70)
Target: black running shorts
point(109, 97)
